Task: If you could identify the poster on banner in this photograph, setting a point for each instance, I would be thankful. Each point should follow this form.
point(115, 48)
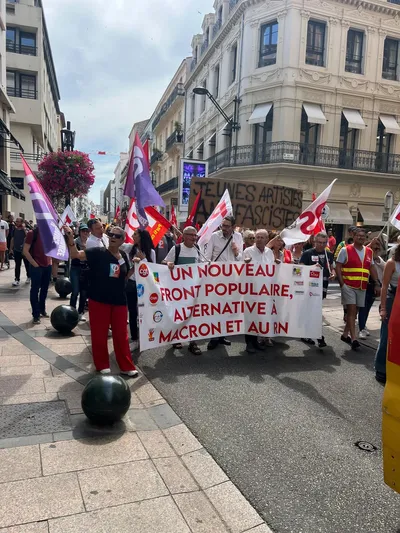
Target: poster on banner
point(201, 301)
point(255, 205)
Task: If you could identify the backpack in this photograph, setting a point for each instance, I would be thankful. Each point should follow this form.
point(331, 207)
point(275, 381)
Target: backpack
point(178, 252)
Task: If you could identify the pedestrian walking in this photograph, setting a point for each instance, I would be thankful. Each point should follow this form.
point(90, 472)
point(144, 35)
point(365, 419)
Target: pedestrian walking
point(183, 254)
point(324, 259)
point(3, 241)
point(40, 273)
point(109, 269)
point(363, 313)
point(79, 274)
point(141, 250)
point(17, 246)
point(225, 245)
point(354, 265)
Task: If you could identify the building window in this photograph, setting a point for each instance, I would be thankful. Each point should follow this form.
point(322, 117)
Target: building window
point(390, 60)
point(354, 52)
point(315, 52)
point(27, 43)
point(347, 144)
point(11, 39)
point(216, 81)
point(200, 151)
point(220, 13)
point(268, 44)
point(263, 138)
point(233, 63)
point(384, 142)
point(309, 137)
point(193, 109)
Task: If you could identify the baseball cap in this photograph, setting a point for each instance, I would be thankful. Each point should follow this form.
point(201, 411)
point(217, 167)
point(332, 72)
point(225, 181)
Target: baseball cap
point(83, 227)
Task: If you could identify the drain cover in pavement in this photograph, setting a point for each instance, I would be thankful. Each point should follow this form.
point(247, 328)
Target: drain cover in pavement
point(365, 446)
point(27, 419)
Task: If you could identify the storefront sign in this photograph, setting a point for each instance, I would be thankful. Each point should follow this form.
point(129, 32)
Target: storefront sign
point(18, 182)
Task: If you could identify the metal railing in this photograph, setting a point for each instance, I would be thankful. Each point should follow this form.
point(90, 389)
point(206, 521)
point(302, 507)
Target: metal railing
point(156, 156)
point(20, 92)
point(169, 185)
point(304, 154)
point(178, 91)
point(31, 158)
point(16, 48)
point(172, 139)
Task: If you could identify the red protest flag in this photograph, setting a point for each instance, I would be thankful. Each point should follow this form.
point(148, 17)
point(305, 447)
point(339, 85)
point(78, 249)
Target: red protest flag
point(157, 227)
point(190, 221)
point(146, 151)
point(173, 221)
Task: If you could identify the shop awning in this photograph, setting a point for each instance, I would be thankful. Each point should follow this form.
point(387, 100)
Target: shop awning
point(372, 214)
point(259, 114)
point(390, 123)
point(354, 119)
point(16, 192)
point(339, 214)
point(5, 184)
point(315, 114)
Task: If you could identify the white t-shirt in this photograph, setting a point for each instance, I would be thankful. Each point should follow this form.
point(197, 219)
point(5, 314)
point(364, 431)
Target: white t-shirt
point(3, 229)
point(185, 252)
point(96, 242)
point(266, 256)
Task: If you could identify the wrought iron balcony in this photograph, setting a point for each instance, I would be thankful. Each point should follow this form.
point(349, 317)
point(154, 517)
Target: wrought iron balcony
point(169, 185)
point(176, 93)
point(304, 154)
point(20, 92)
point(31, 158)
point(172, 139)
point(156, 156)
point(12, 46)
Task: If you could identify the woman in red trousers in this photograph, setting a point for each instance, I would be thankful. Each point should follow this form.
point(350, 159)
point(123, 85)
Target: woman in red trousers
point(108, 271)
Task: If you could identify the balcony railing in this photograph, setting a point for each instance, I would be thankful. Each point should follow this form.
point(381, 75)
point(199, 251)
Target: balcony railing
point(169, 185)
point(178, 91)
point(304, 154)
point(31, 158)
point(172, 139)
point(12, 46)
point(20, 92)
point(156, 156)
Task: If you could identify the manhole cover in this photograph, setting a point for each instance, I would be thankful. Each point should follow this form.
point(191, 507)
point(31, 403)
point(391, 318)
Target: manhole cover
point(33, 419)
point(365, 446)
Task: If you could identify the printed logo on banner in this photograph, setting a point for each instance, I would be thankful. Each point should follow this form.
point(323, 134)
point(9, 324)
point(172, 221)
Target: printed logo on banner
point(153, 298)
point(140, 290)
point(143, 271)
point(151, 335)
point(156, 277)
point(299, 283)
point(313, 294)
point(157, 317)
point(314, 273)
point(314, 284)
point(114, 270)
point(297, 272)
point(299, 292)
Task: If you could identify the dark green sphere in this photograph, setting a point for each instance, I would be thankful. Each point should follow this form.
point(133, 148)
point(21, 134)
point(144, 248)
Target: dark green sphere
point(64, 319)
point(63, 287)
point(106, 399)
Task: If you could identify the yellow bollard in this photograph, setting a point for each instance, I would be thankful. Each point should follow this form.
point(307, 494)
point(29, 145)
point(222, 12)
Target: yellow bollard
point(391, 403)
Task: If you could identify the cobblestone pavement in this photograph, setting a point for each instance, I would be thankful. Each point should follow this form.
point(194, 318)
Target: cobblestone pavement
point(59, 474)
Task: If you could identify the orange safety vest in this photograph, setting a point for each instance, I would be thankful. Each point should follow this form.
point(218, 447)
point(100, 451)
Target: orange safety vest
point(356, 272)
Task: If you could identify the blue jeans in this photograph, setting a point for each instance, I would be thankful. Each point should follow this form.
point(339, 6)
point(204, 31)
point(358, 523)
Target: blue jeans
point(40, 280)
point(380, 357)
point(363, 313)
point(77, 290)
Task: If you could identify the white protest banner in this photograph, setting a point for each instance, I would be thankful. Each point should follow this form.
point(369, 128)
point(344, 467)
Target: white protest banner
point(201, 301)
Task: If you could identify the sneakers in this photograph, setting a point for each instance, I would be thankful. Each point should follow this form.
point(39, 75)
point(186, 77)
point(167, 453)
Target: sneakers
point(130, 373)
point(44, 315)
point(82, 318)
point(355, 345)
point(28, 280)
point(15, 283)
point(105, 371)
point(268, 342)
point(322, 343)
point(36, 320)
point(363, 334)
point(367, 332)
point(135, 345)
point(347, 340)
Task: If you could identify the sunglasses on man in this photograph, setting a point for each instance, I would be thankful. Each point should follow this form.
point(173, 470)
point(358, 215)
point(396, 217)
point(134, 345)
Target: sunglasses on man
point(114, 235)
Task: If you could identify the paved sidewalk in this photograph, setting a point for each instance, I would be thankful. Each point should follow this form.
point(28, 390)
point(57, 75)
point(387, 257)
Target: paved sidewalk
point(59, 474)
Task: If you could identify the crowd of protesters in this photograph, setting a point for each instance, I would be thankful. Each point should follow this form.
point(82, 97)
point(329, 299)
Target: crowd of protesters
point(102, 272)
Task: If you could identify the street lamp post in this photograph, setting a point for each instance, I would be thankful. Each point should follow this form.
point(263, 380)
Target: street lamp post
point(233, 121)
point(67, 145)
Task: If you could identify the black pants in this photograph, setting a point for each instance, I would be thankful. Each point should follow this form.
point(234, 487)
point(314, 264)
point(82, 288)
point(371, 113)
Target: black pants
point(40, 279)
point(131, 296)
point(18, 258)
point(250, 339)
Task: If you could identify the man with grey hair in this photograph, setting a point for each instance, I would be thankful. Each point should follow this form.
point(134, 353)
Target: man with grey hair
point(183, 254)
point(320, 255)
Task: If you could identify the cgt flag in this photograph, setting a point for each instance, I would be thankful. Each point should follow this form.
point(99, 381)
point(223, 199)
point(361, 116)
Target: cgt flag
point(222, 210)
point(395, 218)
point(157, 226)
point(309, 222)
point(53, 241)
